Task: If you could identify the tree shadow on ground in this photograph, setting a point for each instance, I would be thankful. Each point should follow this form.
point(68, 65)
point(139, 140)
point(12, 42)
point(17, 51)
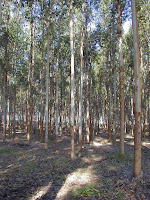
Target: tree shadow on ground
point(33, 172)
point(29, 170)
point(112, 174)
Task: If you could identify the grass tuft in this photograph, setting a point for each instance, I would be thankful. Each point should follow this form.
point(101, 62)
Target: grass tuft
point(88, 190)
point(120, 158)
point(30, 167)
point(7, 151)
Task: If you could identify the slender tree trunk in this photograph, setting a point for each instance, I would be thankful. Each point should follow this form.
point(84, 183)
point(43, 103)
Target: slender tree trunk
point(90, 83)
point(57, 63)
point(72, 81)
point(41, 80)
point(109, 113)
point(32, 104)
point(81, 79)
point(148, 110)
point(41, 108)
point(107, 109)
point(10, 110)
point(87, 90)
point(0, 13)
point(4, 106)
point(14, 113)
point(47, 84)
point(137, 114)
point(47, 81)
point(29, 81)
point(121, 76)
point(61, 105)
point(115, 76)
point(114, 115)
point(5, 82)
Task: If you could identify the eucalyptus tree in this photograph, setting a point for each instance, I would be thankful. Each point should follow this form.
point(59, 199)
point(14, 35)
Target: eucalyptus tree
point(5, 71)
point(114, 72)
point(81, 78)
point(57, 35)
point(57, 65)
point(30, 74)
point(41, 74)
point(72, 79)
point(0, 68)
point(129, 87)
point(137, 128)
point(0, 13)
point(121, 76)
point(144, 32)
point(47, 75)
point(105, 28)
point(87, 81)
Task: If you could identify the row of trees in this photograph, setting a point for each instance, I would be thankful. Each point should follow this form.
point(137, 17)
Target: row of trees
point(74, 79)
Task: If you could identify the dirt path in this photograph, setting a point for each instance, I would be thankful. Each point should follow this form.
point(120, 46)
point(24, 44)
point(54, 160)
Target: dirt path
point(30, 172)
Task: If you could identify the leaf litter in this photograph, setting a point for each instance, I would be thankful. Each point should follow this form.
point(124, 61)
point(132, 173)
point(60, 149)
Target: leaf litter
point(30, 172)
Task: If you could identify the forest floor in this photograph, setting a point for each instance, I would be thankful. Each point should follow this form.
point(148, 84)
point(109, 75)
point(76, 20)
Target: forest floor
point(31, 172)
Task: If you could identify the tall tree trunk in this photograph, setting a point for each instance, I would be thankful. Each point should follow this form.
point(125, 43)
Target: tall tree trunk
point(47, 82)
point(72, 80)
point(81, 79)
point(87, 89)
point(137, 113)
point(10, 109)
point(4, 105)
point(5, 80)
point(29, 81)
point(41, 80)
point(121, 76)
point(14, 113)
point(41, 107)
point(115, 76)
point(0, 13)
point(57, 63)
point(61, 105)
point(90, 83)
point(109, 113)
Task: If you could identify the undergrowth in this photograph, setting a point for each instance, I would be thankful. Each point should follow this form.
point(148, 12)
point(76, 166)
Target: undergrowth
point(88, 190)
point(7, 151)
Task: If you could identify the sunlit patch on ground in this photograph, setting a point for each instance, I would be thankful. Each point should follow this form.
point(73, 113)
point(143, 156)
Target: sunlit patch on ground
point(41, 192)
point(101, 140)
point(146, 144)
point(131, 143)
point(76, 179)
point(112, 168)
point(97, 144)
point(129, 136)
point(97, 158)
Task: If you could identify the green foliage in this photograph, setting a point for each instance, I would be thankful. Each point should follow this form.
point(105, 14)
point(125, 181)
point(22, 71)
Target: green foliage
point(120, 158)
point(7, 151)
point(29, 168)
point(89, 190)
